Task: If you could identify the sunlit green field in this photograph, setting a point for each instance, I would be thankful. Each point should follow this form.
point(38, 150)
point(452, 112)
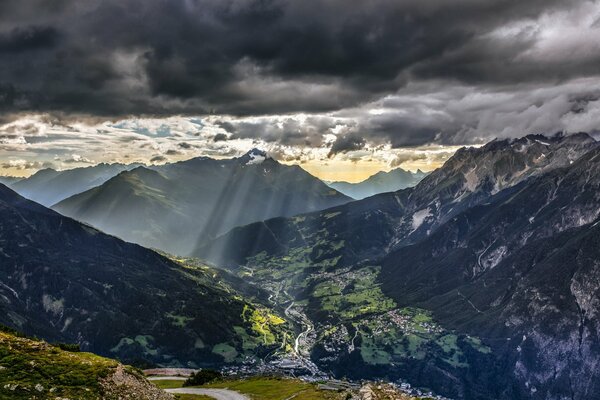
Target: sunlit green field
point(168, 383)
point(263, 388)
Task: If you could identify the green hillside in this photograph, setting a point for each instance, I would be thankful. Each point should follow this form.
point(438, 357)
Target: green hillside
point(31, 369)
point(64, 281)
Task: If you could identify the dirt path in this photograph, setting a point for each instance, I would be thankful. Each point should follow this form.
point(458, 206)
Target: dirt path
point(166, 378)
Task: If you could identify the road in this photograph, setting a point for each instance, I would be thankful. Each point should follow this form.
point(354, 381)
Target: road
point(304, 333)
point(166, 378)
point(299, 318)
point(219, 394)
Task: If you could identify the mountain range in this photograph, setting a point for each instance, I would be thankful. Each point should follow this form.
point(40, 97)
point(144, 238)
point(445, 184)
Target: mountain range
point(480, 282)
point(521, 270)
point(9, 180)
point(386, 220)
point(49, 186)
point(67, 282)
point(173, 207)
point(381, 182)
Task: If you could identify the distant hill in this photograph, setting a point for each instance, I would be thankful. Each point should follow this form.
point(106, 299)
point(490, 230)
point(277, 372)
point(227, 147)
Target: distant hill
point(381, 182)
point(32, 369)
point(65, 281)
point(9, 180)
point(49, 186)
point(175, 206)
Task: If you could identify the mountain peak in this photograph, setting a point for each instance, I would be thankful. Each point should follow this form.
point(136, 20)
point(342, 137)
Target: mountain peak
point(45, 171)
point(503, 163)
point(254, 156)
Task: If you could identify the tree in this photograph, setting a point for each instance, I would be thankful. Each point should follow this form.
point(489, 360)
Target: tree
point(202, 377)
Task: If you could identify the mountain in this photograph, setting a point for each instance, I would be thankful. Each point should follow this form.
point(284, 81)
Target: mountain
point(49, 186)
point(382, 222)
point(9, 180)
point(381, 182)
point(480, 282)
point(32, 369)
point(65, 281)
point(521, 270)
point(172, 207)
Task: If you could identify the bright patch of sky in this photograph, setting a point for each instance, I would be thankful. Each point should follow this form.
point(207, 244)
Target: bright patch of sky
point(34, 142)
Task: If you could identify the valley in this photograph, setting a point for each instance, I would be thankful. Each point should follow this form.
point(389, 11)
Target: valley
point(299, 200)
point(450, 289)
point(420, 284)
point(348, 327)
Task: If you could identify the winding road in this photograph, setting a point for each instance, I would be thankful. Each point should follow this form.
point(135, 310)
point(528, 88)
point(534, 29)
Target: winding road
point(302, 319)
point(219, 394)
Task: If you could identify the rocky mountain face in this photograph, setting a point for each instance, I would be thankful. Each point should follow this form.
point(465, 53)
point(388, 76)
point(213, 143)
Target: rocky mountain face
point(49, 186)
point(173, 207)
point(480, 282)
point(381, 182)
point(65, 281)
point(521, 270)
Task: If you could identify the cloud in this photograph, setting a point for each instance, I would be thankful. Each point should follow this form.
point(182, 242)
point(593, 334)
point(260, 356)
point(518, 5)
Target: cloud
point(346, 142)
point(264, 57)
point(220, 137)
point(406, 157)
point(373, 81)
point(77, 159)
point(28, 38)
point(158, 159)
point(25, 165)
point(287, 130)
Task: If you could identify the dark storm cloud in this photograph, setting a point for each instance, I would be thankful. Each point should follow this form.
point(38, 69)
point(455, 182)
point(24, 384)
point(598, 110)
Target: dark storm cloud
point(220, 137)
point(346, 142)
point(226, 125)
point(284, 130)
point(22, 39)
point(402, 158)
point(292, 73)
point(158, 159)
point(118, 57)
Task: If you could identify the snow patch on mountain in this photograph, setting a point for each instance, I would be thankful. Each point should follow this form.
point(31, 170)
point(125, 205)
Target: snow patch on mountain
point(419, 217)
point(471, 180)
point(256, 159)
point(493, 258)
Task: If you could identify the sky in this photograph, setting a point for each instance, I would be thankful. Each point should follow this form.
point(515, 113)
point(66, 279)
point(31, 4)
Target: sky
point(344, 89)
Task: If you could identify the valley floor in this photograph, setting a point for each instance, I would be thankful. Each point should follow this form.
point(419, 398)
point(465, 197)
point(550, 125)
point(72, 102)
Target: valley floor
point(272, 388)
